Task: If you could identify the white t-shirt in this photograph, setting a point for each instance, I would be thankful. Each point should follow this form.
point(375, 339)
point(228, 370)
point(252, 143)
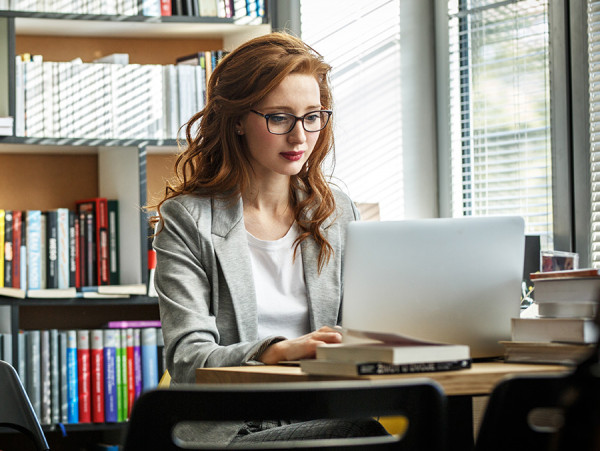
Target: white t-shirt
point(280, 287)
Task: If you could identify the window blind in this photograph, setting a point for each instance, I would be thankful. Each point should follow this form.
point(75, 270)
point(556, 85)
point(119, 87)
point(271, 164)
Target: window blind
point(500, 111)
point(593, 19)
point(361, 40)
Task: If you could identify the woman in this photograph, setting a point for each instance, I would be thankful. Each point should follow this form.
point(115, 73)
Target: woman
point(250, 241)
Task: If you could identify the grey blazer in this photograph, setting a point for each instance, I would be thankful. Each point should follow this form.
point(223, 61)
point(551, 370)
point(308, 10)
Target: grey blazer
point(206, 289)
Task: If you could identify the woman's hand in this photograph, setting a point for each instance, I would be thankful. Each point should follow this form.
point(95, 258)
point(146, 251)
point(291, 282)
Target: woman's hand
point(303, 347)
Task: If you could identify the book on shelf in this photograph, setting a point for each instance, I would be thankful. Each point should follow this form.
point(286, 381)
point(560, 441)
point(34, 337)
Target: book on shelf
point(45, 375)
point(113, 241)
point(133, 324)
point(7, 348)
point(572, 330)
point(72, 378)
point(149, 358)
point(17, 230)
point(137, 362)
point(122, 375)
point(34, 249)
point(110, 375)
point(33, 369)
point(130, 370)
point(55, 376)
point(546, 352)
point(342, 368)
point(390, 348)
point(63, 383)
point(2, 213)
point(52, 251)
point(116, 290)
point(97, 374)
point(84, 375)
point(8, 248)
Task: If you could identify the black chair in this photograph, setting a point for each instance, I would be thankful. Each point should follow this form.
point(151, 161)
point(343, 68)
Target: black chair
point(523, 413)
point(16, 411)
point(156, 413)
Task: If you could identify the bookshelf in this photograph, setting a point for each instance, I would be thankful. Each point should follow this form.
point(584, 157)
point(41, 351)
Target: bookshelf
point(41, 172)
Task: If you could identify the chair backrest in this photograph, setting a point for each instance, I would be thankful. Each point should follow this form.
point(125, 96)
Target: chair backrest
point(523, 413)
point(156, 413)
point(16, 411)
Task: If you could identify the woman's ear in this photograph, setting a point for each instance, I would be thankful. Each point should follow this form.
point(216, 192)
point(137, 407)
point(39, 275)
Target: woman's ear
point(239, 128)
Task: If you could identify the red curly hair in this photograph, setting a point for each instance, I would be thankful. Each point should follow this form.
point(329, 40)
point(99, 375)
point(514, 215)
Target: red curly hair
point(215, 161)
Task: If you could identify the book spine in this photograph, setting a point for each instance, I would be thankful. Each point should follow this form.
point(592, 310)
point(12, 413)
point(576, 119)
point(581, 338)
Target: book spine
point(43, 249)
point(72, 377)
point(102, 247)
point(33, 350)
point(133, 324)
point(52, 256)
point(122, 375)
point(91, 258)
point(113, 241)
point(110, 375)
point(23, 253)
point(54, 377)
point(84, 370)
point(130, 371)
point(8, 248)
point(149, 359)
point(82, 250)
point(137, 362)
point(16, 249)
point(64, 386)
point(22, 356)
point(97, 344)
point(63, 248)
point(73, 250)
point(7, 349)
point(160, 352)
point(46, 401)
point(34, 249)
point(2, 225)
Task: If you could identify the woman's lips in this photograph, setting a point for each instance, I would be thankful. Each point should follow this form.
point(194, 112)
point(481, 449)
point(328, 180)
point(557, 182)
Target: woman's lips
point(292, 156)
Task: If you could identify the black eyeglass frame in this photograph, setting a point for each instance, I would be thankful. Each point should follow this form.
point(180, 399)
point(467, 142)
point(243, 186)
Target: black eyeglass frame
point(296, 119)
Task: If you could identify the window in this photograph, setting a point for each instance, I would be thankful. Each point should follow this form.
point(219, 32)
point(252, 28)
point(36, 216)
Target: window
point(593, 35)
point(361, 40)
point(500, 111)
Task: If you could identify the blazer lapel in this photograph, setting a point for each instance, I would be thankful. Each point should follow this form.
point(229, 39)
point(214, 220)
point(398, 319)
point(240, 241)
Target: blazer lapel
point(231, 247)
point(323, 290)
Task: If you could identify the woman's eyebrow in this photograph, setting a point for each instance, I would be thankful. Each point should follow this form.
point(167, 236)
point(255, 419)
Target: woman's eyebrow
point(289, 109)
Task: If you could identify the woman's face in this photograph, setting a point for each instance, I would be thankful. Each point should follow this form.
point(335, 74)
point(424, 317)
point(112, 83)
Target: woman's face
point(272, 154)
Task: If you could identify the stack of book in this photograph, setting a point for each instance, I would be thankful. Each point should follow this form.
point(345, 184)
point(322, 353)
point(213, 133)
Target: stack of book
point(89, 376)
point(559, 327)
point(394, 355)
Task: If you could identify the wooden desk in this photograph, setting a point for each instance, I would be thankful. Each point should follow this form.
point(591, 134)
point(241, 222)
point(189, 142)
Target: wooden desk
point(460, 386)
point(480, 379)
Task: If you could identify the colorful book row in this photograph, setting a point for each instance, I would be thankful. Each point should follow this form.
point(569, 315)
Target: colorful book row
point(88, 376)
point(60, 248)
point(153, 8)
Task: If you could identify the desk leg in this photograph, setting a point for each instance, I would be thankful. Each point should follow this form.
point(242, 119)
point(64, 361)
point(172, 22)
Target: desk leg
point(460, 423)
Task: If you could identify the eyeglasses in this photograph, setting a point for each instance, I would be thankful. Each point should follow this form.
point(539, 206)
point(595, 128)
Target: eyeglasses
point(282, 123)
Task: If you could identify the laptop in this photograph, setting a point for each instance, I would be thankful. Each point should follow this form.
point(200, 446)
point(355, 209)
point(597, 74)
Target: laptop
point(452, 280)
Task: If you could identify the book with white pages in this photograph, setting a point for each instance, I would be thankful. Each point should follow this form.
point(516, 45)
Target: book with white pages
point(364, 346)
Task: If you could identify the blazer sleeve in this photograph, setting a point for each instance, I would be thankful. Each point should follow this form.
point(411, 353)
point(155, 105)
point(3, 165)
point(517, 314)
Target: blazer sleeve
point(184, 276)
